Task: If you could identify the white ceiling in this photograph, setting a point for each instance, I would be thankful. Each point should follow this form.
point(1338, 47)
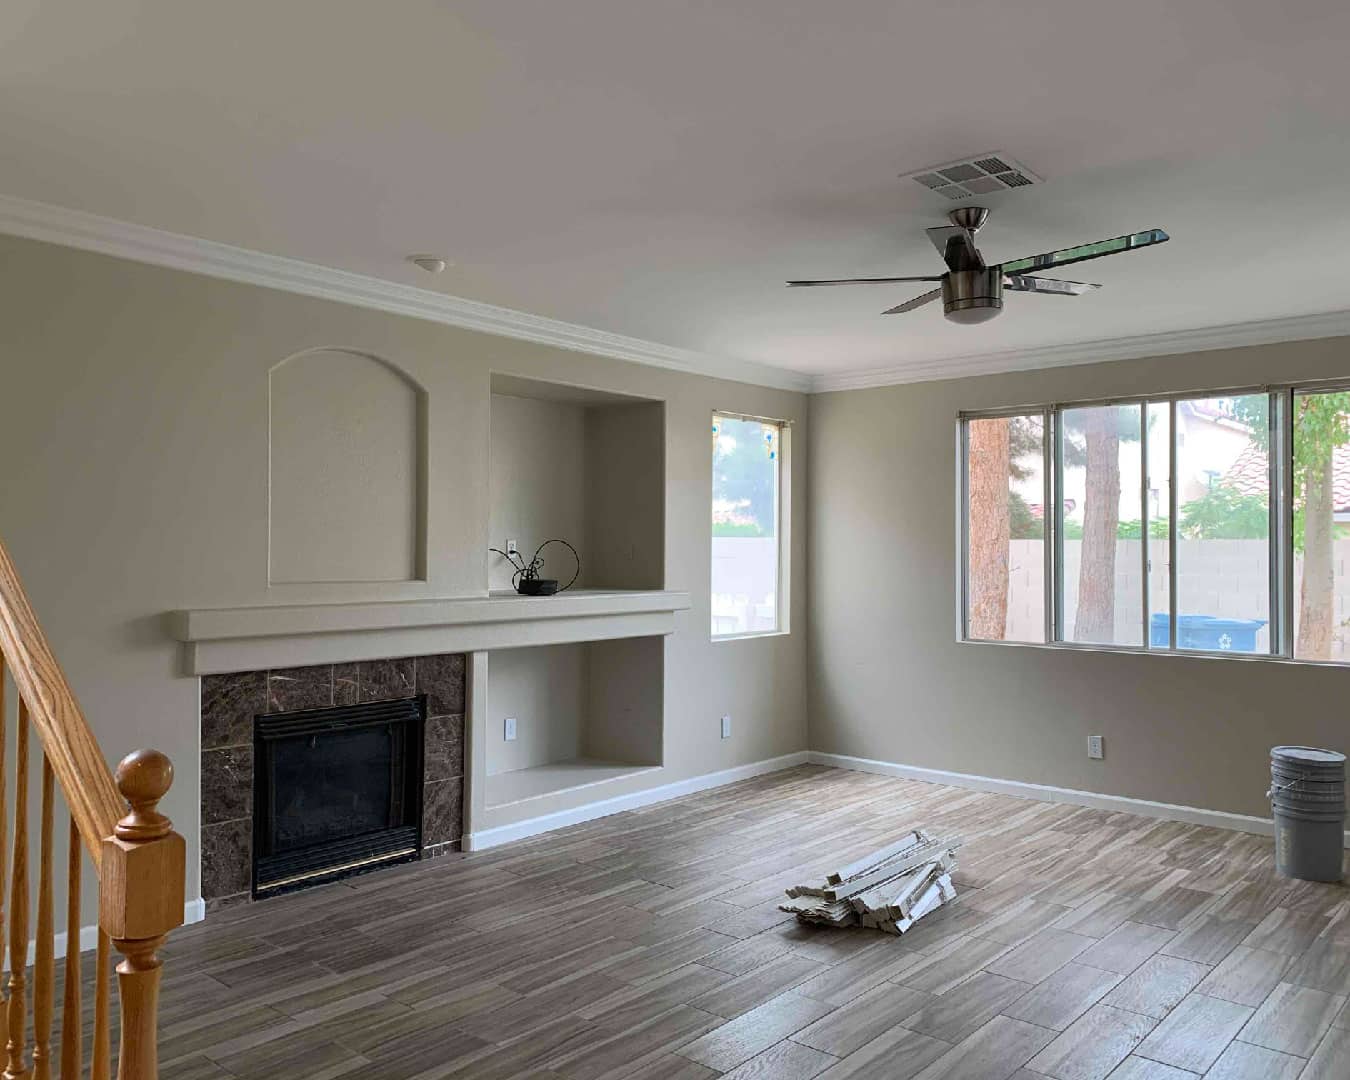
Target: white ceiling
point(658, 169)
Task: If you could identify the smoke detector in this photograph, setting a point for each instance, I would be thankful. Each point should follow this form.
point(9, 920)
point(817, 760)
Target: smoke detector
point(432, 264)
point(984, 174)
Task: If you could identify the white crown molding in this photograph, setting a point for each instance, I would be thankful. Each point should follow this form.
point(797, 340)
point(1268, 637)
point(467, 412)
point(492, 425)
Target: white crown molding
point(141, 243)
point(108, 236)
point(1169, 343)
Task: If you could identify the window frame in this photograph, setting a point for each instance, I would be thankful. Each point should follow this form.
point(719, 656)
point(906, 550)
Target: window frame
point(782, 530)
point(1280, 461)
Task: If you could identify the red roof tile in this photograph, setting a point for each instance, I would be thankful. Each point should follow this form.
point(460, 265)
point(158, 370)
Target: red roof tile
point(1249, 474)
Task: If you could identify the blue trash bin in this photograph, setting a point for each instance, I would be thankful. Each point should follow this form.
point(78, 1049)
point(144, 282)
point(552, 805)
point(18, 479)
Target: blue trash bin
point(1207, 633)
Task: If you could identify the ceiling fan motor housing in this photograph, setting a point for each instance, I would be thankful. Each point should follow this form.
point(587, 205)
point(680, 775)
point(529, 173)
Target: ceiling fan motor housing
point(972, 296)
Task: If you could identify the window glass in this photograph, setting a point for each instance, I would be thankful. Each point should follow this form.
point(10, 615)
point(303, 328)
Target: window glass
point(1223, 524)
point(1006, 534)
point(1321, 533)
point(1158, 512)
point(746, 558)
point(1101, 563)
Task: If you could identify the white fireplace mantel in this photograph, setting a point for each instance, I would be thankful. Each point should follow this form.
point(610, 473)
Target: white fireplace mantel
point(218, 640)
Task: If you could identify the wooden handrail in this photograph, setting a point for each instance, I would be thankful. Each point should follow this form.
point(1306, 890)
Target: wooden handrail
point(80, 767)
point(140, 862)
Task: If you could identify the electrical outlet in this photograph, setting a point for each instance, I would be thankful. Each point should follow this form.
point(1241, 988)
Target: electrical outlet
point(726, 727)
point(1096, 749)
point(511, 548)
point(509, 729)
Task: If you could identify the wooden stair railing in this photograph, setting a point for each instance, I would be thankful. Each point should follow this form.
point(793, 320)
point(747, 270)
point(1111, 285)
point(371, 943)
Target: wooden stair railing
point(138, 859)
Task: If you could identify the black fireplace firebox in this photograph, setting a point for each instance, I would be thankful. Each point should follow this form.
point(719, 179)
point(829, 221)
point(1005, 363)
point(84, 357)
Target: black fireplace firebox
point(337, 792)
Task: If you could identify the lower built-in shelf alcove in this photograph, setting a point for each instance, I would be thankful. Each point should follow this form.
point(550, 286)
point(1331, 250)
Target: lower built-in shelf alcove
point(583, 715)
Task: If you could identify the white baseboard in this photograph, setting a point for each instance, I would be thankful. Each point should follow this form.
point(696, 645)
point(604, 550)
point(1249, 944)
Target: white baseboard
point(504, 834)
point(1190, 815)
point(194, 911)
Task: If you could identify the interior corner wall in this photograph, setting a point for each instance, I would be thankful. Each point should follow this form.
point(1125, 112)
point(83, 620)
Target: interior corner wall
point(134, 432)
point(625, 460)
point(889, 680)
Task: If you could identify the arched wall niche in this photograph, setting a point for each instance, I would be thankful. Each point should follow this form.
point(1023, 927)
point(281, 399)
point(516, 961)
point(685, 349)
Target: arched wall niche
point(347, 470)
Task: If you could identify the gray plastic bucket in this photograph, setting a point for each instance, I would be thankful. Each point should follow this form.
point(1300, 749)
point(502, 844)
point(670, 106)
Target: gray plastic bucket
point(1307, 794)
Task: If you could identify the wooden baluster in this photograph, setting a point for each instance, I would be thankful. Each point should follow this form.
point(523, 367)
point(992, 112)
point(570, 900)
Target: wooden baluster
point(72, 1027)
point(18, 909)
point(101, 1069)
point(140, 900)
point(44, 963)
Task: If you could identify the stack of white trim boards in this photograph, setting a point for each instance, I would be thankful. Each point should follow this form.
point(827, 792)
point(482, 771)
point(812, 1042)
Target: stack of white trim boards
point(890, 889)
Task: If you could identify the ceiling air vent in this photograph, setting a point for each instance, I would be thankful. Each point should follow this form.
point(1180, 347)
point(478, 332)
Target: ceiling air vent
point(983, 174)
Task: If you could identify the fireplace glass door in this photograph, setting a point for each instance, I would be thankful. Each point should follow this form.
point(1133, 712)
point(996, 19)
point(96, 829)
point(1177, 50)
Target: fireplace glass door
point(337, 792)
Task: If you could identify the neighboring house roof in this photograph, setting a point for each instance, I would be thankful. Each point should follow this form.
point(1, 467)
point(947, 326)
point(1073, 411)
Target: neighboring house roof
point(1213, 411)
point(1249, 474)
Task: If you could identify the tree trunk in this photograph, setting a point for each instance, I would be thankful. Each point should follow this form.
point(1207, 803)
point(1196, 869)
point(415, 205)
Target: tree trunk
point(1096, 618)
point(1316, 618)
point(987, 580)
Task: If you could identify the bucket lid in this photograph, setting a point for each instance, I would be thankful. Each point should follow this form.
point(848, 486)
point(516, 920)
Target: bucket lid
point(1307, 756)
point(1324, 774)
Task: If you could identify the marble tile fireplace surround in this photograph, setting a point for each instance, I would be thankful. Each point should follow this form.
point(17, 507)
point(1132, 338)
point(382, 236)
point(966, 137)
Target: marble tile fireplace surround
point(229, 705)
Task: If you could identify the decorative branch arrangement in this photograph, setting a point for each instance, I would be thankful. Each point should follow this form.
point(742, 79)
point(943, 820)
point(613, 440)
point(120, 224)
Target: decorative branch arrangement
point(526, 580)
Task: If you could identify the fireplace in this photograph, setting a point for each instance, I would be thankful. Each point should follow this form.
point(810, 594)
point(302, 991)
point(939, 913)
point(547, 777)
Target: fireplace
point(337, 792)
point(232, 706)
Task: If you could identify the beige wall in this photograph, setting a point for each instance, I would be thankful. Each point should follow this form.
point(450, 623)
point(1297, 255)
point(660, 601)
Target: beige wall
point(889, 680)
point(538, 482)
point(134, 437)
point(547, 691)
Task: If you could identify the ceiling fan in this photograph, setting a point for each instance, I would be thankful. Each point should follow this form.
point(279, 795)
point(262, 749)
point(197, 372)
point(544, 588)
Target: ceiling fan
point(972, 292)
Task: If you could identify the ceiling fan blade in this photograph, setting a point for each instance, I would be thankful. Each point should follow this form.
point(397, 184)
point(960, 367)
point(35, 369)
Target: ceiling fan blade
point(1083, 252)
point(1054, 286)
point(917, 302)
point(863, 281)
point(957, 247)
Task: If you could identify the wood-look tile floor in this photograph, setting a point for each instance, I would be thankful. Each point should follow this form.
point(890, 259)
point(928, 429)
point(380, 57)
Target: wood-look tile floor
point(648, 945)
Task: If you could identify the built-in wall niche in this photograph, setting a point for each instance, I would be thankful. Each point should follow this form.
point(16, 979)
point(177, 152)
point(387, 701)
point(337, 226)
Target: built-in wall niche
point(584, 465)
point(582, 715)
point(347, 475)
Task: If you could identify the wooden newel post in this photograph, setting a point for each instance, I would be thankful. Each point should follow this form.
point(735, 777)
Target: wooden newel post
point(141, 884)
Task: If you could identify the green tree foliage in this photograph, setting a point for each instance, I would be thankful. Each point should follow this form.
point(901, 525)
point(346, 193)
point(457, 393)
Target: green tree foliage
point(1125, 530)
point(1025, 435)
point(1224, 513)
point(1022, 523)
point(1321, 424)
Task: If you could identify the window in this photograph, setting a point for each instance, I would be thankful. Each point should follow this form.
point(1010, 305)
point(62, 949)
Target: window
point(1321, 525)
point(748, 554)
point(1005, 506)
point(1190, 523)
point(1223, 524)
point(1101, 505)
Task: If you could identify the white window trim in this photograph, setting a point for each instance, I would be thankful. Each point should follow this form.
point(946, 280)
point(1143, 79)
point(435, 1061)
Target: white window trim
point(1281, 460)
point(782, 531)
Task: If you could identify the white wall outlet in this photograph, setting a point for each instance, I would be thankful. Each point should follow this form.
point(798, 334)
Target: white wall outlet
point(1096, 748)
point(509, 729)
point(726, 727)
point(511, 547)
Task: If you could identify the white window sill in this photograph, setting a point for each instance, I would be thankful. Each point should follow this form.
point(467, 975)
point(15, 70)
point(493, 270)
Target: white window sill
point(750, 636)
point(1137, 650)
